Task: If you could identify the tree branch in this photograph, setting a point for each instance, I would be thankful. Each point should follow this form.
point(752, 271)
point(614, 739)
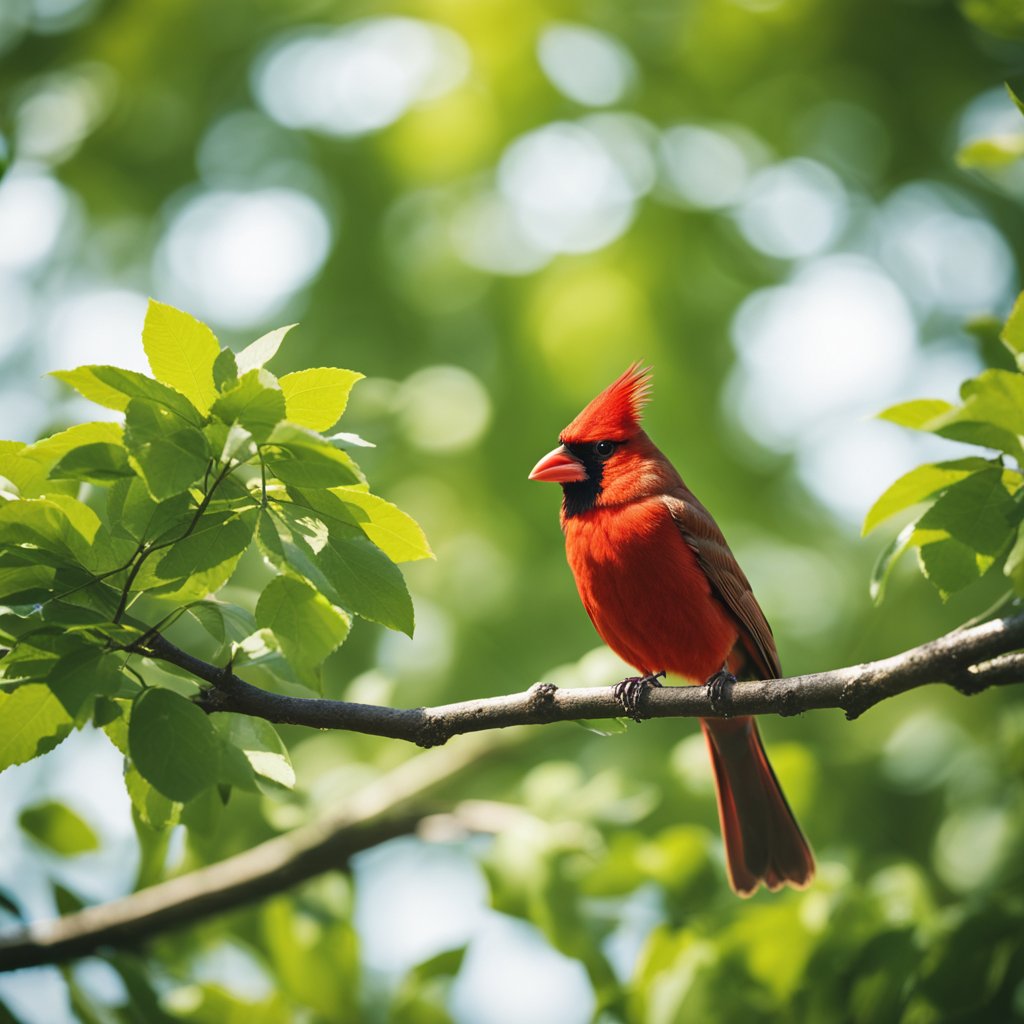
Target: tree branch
point(968, 659)
point(392, 805)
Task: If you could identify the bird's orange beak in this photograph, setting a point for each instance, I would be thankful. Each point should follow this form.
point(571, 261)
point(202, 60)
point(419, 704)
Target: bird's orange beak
point(560, 467)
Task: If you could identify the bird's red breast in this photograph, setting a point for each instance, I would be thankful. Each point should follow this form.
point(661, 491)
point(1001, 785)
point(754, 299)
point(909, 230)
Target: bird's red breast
point(645, 591)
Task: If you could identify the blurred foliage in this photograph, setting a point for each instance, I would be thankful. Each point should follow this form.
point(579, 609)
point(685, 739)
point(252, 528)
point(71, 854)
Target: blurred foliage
point(153, 143)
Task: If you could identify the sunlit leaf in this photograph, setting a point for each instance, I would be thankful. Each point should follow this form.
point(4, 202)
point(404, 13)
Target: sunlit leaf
point(32, 721)
point(114, 388)
point(181, 353)
point(172, 456)
point(397, 534)
point(976, 511)
point(317, 398)
point(339, 561)
point(1012, 334)
point(255, 402)
point(262, 350)
point(916, 414)
point(303, 458)
point(96, 463)
point(950, 566)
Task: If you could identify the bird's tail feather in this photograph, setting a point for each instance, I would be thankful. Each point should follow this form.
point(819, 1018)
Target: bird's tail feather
point(763, 842)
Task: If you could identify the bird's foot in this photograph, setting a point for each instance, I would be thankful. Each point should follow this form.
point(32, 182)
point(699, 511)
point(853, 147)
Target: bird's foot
point(631, 689)
point(718, 686)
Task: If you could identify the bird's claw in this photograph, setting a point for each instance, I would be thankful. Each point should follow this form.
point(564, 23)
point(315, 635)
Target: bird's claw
point(718, 685)
point(631, 689)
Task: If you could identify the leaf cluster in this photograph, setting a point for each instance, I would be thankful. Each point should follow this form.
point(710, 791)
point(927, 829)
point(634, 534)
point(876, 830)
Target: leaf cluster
point(113, 531)
point(970, 518)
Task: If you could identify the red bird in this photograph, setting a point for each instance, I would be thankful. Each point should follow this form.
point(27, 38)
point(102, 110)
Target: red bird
point(667, 595)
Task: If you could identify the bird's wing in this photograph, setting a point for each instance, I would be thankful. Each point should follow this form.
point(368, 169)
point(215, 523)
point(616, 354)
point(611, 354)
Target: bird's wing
point(728, 580)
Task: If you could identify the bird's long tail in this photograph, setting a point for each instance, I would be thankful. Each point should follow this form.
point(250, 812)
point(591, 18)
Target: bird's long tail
point(763, 842)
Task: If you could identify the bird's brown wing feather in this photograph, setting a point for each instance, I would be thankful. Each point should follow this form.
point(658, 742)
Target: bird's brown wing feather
point(727, 579)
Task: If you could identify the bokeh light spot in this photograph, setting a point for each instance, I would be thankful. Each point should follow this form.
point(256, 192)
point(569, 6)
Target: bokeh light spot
point(237, 257)
point(792, 210)
point(33, 211)
point(443, 409)
point(359, 78)
point(703, 167)
point(584, 64)
point(568, 191)
point(948, 256)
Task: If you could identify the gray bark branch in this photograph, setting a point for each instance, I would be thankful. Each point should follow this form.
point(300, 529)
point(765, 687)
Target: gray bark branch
point(968, 659)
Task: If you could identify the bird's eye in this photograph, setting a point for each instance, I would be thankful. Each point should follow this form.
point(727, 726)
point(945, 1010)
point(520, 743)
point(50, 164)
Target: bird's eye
point(604, 448)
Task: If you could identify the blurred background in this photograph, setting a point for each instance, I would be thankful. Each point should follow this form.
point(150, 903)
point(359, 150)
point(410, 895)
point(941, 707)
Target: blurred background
point(491, 208)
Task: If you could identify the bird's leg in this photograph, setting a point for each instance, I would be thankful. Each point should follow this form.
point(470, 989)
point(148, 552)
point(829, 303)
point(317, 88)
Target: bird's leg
point(717, 686)
point(631, 689)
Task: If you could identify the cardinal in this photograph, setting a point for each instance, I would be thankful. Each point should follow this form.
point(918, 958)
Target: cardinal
point(667, 595)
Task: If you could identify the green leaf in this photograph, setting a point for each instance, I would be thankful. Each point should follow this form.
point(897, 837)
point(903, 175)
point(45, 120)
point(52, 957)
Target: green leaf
point(307, 626)
point(81, 674)
point(262, 350)
point(181, 353)
point(317, 398)
point(338, 560)
point(259, 742)
point(397, 534)
point(1012, 334)
point(988, 416)
point(98, 463)
point(950, 566)
point(28, 584)
point(1014, 567)
point(977, 511)
point(114, 388)
point(916, 414)
point(918, 484)
point(225, 370)
point(218, 537)
point(996, 397)
point(170, 455)
point(150, 805)
point(58, 828)
point(26, 476)
point(255, 402)
point(303, 458)
point(309, 467)
point(58, 524)
point(223, 621)
point(26, 466)
point(173, 744)
point(1018, 102)
point(32, 722)
point(131, 508)
point(888, 557)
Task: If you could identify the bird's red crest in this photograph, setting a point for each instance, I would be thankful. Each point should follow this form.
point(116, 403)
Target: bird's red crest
point(615, 413)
